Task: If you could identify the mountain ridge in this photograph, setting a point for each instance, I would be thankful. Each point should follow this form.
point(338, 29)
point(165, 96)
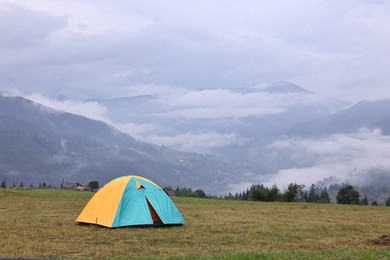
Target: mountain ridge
point(281, 87)
point(44, 145)
point(364, 114)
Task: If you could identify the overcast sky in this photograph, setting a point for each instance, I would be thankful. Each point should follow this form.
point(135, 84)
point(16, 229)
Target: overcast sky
point(96, 48)
point(197, 57)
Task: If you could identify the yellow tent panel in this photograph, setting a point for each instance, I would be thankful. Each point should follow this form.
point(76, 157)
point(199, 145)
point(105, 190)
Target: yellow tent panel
point(101, 209)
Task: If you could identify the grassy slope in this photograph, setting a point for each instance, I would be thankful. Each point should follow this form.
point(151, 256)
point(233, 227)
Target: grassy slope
point(40, 223)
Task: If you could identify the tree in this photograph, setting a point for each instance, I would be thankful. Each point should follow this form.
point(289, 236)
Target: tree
point(246, 195)
point(388, 202)
point(305, 196)
point(93, 185)
point(293, 192)
point(325, 197)
point(348, 195)
point(365, 200)
point(167, 188)
point(184, 192)
point(313, 196)
point(258, 192)
point(199, 193)
point(3, 184)
point(274, 193)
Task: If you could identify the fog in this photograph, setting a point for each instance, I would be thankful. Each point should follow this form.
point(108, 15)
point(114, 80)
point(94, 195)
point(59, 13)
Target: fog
point(352, 158)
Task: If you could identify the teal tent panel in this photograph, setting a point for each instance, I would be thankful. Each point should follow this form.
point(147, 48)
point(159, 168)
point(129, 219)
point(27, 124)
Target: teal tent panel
point(133, 208)
point(165, 208)
point(149, 187)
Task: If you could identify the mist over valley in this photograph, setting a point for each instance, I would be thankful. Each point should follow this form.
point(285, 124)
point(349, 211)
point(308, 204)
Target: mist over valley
point(277, 134)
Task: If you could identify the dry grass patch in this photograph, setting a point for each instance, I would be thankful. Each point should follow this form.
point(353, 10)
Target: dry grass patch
point(40, 223)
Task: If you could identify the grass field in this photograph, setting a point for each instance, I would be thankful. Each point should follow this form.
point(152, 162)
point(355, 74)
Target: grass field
point(40, 224)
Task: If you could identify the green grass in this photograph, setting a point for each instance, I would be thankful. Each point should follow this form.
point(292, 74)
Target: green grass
point(40, 224)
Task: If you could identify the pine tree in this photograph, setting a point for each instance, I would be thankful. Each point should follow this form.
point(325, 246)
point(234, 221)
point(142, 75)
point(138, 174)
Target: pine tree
point(325, 197)
point(244, 196)
point(365, 200)
point(305, 196)
point(388, 202)
point(313, 196)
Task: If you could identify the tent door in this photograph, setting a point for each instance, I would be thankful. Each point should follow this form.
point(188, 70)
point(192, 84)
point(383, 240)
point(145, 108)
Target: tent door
point(156, 219)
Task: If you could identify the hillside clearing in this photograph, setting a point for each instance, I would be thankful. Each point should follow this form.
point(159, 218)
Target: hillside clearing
point(40, 223)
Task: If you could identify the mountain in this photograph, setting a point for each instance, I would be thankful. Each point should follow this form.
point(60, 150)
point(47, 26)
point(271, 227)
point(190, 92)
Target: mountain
point(292, 104)
point(243, 138)
point(285, 87)
point(39, 144)
point(365, 114)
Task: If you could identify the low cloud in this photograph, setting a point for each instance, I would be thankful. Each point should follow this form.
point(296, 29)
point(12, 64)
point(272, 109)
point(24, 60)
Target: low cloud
point(221, 112)
point(220, 103)
point(196, 142)
point(356, 158)
point(188, 141)
point(224, 103)
point(91, 110)
point(185, 120)
point(137, 131)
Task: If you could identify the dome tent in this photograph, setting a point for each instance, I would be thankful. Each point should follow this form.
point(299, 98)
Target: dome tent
point(131, 201)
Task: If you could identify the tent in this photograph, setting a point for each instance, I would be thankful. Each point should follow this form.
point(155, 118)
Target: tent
point(131, 201)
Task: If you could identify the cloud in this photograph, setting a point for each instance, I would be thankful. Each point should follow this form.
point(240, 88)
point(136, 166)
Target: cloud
point(328, 47)
point(358, 158)
point(224, 103)
point(87, 109)
point(186, 120)
point(139, 131)
point(21, 27)
point(148, 132)
point(196, 142)
point(93, 110)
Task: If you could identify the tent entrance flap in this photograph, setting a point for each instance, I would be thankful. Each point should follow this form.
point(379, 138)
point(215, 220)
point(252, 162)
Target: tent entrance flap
point(156, 219)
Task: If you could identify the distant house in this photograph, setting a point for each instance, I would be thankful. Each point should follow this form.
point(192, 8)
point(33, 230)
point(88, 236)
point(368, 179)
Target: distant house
point(171, 193)
point(74, 185)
